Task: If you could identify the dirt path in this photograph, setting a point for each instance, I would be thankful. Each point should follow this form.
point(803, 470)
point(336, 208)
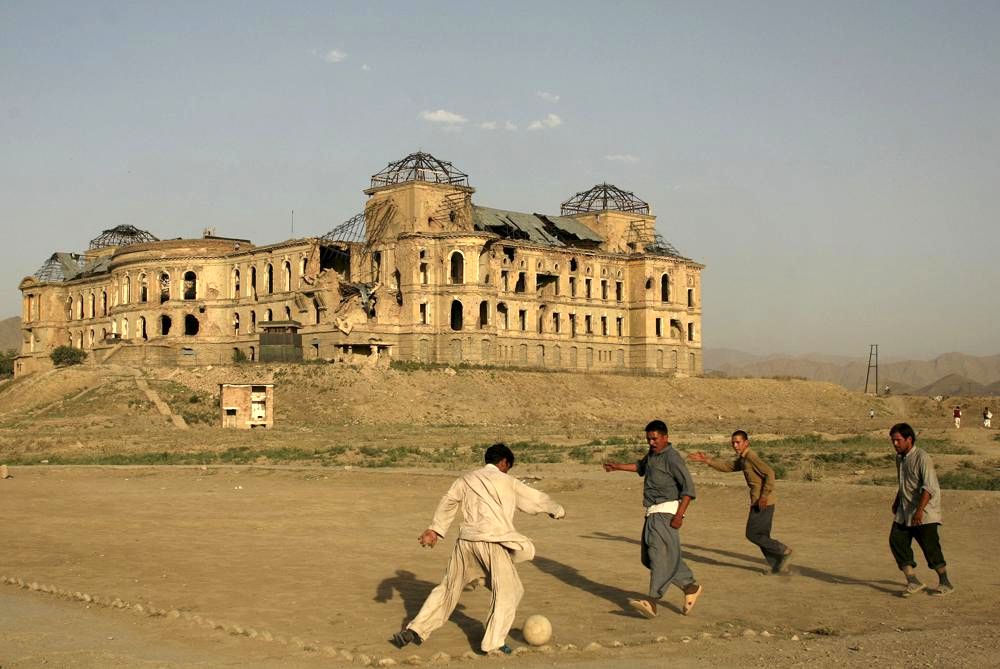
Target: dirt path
point(192, 567)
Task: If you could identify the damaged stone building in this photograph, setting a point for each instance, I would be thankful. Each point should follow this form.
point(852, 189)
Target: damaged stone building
point(422, 274)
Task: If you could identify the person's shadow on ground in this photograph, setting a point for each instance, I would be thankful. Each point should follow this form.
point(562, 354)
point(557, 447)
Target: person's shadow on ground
point(572, 576)
point(413, 592)
point(802, 570)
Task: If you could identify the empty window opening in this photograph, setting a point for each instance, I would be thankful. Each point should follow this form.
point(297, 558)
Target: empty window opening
point(267, 315)
point(253, 354)
point(253, 321)
point(555, 322)
point(191, 325)
point(104, 303)
point(165, 325)
point(376, 266)
point(649, 284)
point(286, 270)
point(675, 328)
point(604, 326)
point(92, 336)
point(268, 278)
point(190, 285)
point(509, 252)
point(484, 314)
point(236, 322)
point(423, 313)
point(588, 324)
point(335, 258)
point(253, 282)
point(519, 286)
point(604, 289)
point(456, 315)
point(659, 327)
point(423, 273)
point(143, 288)
point(457, 273)
point(505, 279)
point(522, 319)
point(586, 285)
point(126, 290)
point(572, 264)
point(665, 288)
point(572, 286)
point(619, 326)
point(690, 298)
point(690, 331)
point(541, 321)
point(236, 283)
point(618, 291)
point(547, 285)
point(142, 328)
point(317, 308)
point(572, 325)
point(502, 315)
point(288, 313)
point(124, 331)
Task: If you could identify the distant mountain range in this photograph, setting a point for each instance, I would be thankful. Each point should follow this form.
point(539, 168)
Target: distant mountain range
point(10, 334)
point(948, 374)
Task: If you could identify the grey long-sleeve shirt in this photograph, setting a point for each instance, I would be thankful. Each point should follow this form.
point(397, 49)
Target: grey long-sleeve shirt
point(667, 477)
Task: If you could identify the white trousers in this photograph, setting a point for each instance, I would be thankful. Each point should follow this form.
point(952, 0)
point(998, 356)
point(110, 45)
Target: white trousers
point(470, 561)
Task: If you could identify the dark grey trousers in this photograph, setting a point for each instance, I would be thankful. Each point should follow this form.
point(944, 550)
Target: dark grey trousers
point(759, 533)
point(661, 554)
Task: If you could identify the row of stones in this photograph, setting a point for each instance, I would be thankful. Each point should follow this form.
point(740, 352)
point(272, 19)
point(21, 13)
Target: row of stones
point(295, 642)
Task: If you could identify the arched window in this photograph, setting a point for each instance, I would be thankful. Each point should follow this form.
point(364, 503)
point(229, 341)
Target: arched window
point(79, 307)
point(253, 321)
point(665, 288)
point(236, 283)
point(164, 287)
point(502, 321)
point(104, 303)
point(484, 314)
point(126, 289)
point(191, 325)
point(190, 285)
point(93, 305)
point(164, 325)
point(143, 288)
point(92, 337)
point(253, 282)
point(124, 328)
point(302, 266)
point(457, 273)
point(288, 313)
point(267, 315)
point(456, 315)
point(268, 279)
point(287, 271)
point(141, 328)
point(236, 322)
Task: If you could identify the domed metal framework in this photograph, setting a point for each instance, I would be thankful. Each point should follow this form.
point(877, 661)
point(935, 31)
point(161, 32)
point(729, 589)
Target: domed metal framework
point(604, 197)
point(420, 166)
point(60, 267)
point(121, 235)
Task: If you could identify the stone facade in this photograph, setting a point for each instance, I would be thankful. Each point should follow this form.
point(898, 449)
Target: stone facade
point(423, 275)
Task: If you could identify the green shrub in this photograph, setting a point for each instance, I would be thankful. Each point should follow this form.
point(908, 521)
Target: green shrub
point(67, 355)
point(7, 362)
point(239, 356)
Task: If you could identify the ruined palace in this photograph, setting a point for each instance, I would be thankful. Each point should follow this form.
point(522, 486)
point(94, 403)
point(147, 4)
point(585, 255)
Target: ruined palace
point(422, 274)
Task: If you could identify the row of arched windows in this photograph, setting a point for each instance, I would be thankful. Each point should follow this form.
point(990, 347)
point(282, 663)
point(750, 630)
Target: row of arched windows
point(237, 288)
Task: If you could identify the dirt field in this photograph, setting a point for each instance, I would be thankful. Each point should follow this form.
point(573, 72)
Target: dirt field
point(277, 566)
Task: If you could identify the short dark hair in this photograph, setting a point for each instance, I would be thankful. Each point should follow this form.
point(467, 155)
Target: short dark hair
point(657, 426)
point(741, 433)
point(904, 430)
point(498, 452)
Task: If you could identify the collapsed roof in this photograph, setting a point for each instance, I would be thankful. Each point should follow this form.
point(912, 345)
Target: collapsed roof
point(538, 228)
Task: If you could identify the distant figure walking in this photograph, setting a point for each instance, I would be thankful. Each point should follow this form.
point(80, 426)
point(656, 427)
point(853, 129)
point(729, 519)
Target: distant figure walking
point(916, 512)
point(760, 479)
point(987, 417)
point(957, 413)
point(871, 413)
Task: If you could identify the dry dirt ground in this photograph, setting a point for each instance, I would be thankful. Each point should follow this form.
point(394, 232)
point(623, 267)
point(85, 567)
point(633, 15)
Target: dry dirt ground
point(309, 566)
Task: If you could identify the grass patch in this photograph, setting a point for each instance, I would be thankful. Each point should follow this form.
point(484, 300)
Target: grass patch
point(963, 479)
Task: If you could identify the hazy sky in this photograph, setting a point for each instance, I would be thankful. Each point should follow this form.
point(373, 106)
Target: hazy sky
point(836, 165)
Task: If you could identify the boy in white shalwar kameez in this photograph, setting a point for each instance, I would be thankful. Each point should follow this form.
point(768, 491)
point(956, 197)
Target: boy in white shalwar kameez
point(487, 546)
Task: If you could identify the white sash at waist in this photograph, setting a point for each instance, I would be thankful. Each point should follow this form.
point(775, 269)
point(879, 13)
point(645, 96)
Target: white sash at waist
point(663, 507)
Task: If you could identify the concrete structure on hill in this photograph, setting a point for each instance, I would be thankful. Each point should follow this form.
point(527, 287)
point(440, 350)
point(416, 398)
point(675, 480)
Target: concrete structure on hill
point(245, 406)
point(422, 274)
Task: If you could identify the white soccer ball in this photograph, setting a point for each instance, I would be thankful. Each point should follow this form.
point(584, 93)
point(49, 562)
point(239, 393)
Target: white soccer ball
point(537, 630)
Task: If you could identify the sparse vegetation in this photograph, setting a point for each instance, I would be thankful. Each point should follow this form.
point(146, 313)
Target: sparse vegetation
point(63, 356)
point(7, 363)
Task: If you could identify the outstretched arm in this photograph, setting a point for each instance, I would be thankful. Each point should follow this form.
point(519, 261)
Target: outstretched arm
point(620, 467)
point(534, 501)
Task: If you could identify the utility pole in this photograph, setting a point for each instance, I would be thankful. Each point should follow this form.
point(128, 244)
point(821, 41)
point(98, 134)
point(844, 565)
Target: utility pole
point(872, 364)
